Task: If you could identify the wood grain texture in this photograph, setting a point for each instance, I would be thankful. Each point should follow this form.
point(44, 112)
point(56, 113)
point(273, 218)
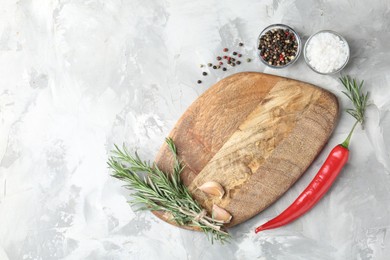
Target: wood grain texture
point(253, 133)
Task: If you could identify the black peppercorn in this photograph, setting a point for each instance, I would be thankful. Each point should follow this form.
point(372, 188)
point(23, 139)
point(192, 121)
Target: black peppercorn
point(204, 73)
point(199, 81)
point(224, 69)
point(240, 44)
point(214, 67)
point(234, 53)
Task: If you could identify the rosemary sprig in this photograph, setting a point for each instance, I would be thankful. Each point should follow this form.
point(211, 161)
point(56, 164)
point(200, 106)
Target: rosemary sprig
point(359, 100)
point(158, 191)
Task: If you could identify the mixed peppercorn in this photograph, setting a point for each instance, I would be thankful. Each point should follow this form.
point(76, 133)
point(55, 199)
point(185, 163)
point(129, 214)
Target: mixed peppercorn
point(278, 47)
point(224, 60)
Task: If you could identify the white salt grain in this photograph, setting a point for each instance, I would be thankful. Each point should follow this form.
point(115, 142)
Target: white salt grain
point(326, 52)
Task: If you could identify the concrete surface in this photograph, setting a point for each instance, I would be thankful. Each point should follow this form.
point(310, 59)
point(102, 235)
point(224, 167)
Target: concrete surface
point(78, 76)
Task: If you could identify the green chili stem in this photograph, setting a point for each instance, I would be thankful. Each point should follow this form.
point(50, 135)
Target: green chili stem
point(346, 142)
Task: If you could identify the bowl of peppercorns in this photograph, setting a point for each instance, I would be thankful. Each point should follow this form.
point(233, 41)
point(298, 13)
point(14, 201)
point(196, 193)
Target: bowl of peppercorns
point(279, 46)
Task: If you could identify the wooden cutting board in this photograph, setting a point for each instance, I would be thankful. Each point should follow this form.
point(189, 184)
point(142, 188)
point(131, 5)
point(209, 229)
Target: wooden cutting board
point(253, 133)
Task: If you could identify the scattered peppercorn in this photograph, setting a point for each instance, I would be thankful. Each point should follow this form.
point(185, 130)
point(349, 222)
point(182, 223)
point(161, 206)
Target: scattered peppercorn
point(278, 47)
point(229, 60)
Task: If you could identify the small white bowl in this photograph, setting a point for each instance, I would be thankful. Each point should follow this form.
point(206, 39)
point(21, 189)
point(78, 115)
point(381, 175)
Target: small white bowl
point(308, 61)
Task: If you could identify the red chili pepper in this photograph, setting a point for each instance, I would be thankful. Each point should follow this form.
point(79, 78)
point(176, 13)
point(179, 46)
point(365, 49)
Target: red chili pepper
point(314, 191)
point(331, 168)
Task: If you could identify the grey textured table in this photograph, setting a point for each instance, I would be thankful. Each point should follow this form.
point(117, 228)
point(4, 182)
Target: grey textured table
point(79, 76)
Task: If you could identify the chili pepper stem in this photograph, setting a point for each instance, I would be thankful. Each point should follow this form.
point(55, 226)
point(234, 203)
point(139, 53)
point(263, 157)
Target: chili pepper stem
point(345, 144)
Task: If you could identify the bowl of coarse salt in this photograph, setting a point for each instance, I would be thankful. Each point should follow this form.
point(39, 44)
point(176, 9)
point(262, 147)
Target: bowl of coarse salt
point(326, 52)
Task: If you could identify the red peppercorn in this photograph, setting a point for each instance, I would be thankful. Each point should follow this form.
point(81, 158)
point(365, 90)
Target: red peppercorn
point(225, 49)
point(281, 57)
point(220, 63)
point(225, 57)
point(219, 58)
point(239, 55)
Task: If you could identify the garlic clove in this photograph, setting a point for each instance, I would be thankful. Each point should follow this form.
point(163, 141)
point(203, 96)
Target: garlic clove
point(212, 188)
point(221, 214)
